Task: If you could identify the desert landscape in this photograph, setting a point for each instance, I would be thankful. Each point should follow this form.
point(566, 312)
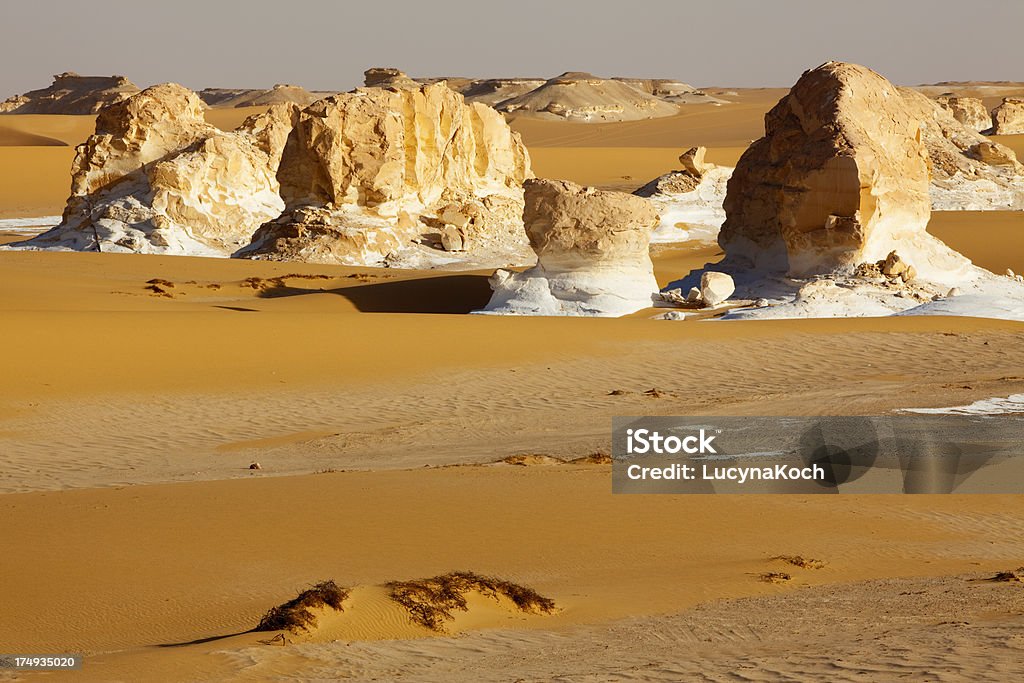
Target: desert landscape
point(318, 384)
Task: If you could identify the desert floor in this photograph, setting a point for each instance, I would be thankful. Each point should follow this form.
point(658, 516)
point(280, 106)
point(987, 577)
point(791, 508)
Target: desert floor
point(400, 438)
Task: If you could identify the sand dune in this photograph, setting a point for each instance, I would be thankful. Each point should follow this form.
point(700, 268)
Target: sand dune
point(400, 438)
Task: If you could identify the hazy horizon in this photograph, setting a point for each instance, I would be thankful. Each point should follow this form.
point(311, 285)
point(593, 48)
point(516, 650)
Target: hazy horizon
point(327, 45)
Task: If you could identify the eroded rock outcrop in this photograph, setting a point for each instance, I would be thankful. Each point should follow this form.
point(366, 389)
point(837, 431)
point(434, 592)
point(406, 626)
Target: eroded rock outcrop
point(969, 172)
point(386, 77)
point(71, 94)
point(689, 200)
point(580, 96)
point(969, 111)
point(840, 178)
point(156, 178)
point(364, 173)
point(1008, 117)
point(592, 254)
point(281, 93)
point(826, 213)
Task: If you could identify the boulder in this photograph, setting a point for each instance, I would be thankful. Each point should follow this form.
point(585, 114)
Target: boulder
point(715, 288)
point(1008, 117)
point(840, 178)
point(592, 251)
point(156, 178)
point(356, 163)
point(970, 111)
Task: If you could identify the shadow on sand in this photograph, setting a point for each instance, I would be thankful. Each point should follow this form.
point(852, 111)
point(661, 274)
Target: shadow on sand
point(444, 294)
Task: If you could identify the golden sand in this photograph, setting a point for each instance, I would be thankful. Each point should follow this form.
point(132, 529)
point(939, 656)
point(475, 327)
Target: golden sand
point(382, 415)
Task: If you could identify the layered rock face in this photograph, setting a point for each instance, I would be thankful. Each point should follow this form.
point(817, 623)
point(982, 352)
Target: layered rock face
point(156, 178)
point(840, 178)
point(592, 251)
point(582, 97)
point(969, 172)
point(689, 201)
point(361, 169)
point(969, 111)
point(281, 93)
point(494, 91)
point(71, 94)
point(386, 77)
point(1008, 117)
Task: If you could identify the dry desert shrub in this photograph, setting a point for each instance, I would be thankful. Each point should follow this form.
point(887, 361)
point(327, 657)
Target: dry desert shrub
point(1012, 576)
point(800, 561)
point(296, 614)
point(430, 602)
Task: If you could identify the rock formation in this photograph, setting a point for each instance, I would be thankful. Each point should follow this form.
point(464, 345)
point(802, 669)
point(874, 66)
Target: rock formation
point(156, 178)
point(969, 111)
point(381, 77)
point(826, 214)
point(592, 254)
point(689, 201)
point(364, 173)
point(281, 93)
point(71, 94)
point(670, 90)
point(840, 178)
point(494, 91)
point(969, 172)
point(581, 97)
point(1008, 117)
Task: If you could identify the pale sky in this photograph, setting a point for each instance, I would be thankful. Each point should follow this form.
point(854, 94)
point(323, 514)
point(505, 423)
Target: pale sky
point(326, 45)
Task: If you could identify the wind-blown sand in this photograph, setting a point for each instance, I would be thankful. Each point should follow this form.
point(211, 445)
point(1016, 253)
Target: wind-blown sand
point(137, 390)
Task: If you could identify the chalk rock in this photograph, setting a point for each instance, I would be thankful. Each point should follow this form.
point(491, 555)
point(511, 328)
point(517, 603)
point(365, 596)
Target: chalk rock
point(840, 178)
point(689, 201)
point(71, 94)
point(969, 171)
point(592, 254)
point(156, 178)
point(1008, 117)
point(356, 163)
point(970, 111)
point(715, 288)
point(693, 161)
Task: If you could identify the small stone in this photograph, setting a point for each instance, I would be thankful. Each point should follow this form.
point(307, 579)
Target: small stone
point(693, 296)
point(954, 291)
point(1010, 273)
point(674, 315)
point(761, 303)
point(255, 466)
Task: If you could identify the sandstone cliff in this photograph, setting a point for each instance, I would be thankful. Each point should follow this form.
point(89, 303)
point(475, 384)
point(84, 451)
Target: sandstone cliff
point(970, 111)
point(156, 178)
point(362, 169)
point(71, 94)
point(1008, 117)
point(592, 254)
